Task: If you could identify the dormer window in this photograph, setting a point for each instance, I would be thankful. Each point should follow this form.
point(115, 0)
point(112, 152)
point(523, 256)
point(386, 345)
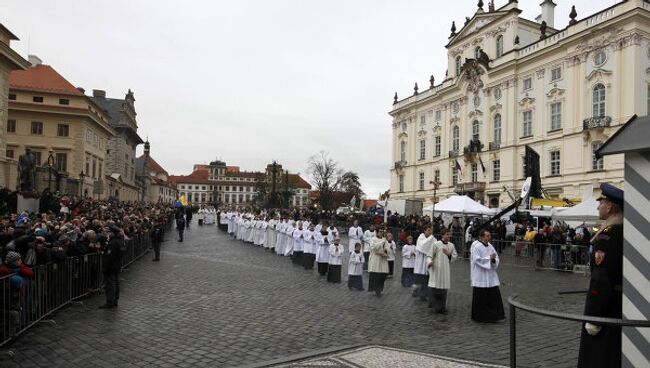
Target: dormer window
point(499, 46)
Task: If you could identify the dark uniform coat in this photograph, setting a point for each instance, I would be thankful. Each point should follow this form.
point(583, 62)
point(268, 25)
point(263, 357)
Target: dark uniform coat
point(604, 299)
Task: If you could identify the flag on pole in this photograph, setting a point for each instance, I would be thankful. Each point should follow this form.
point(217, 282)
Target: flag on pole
point(482, 166)
point(458, 167)
point(182, 201)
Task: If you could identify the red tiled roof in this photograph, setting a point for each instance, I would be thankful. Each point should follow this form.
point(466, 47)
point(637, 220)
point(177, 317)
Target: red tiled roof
point(42, 78)
point(232, 169)
point(299, 182)
point(153, 165)
point(197, 177)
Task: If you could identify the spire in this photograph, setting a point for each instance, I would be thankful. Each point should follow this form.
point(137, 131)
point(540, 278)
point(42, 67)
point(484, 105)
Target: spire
point(147, 147)
point(491, 6)
point(453, 29)
point(415, 89)
point(573, 15)
point(480, 4)
point(395, 99)
point(432, 80)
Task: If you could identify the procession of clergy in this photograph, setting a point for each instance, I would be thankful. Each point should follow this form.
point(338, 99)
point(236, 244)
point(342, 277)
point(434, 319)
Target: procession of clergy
point(425, 264)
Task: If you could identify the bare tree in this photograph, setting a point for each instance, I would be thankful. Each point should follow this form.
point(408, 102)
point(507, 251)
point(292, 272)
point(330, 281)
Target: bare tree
point(325, 176)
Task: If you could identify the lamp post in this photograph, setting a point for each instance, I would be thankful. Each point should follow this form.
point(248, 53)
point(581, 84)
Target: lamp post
point(82, 175)
point(50, 163)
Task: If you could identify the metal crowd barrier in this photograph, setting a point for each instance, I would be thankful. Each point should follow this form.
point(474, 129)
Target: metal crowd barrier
point(514, 305)
point(54, 286)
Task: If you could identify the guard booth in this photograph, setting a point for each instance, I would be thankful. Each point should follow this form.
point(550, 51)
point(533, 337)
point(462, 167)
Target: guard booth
point(633, 140)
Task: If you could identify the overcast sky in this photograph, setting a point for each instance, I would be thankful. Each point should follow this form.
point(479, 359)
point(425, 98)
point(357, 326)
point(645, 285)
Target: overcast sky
point(251, 81)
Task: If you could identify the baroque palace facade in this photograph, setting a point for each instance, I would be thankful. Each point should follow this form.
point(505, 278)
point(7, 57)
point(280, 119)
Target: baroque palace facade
point(512, 83)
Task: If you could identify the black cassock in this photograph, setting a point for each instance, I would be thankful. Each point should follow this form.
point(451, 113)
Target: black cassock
point(604, 299)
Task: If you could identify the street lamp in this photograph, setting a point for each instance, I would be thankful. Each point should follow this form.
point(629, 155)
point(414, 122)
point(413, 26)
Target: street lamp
point(50, 163)
point(82, 175)
point(436, 185)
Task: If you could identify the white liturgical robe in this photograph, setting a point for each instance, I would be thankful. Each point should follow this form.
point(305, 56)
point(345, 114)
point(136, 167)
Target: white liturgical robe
point(354, 236)
point(484, 272)
point(423, 249)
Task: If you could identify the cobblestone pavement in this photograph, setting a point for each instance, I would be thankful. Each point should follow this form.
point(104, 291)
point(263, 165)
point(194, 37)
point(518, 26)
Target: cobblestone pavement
point(213, 301)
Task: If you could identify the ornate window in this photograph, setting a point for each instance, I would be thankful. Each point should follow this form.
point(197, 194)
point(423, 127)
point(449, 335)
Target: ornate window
point(455, 139)
point(475, 130)
point(598, 101)
point(497, 129)
point(423, 149)
point(499, 46)
point(437, 146)
point(600, 57)
point(527, 123)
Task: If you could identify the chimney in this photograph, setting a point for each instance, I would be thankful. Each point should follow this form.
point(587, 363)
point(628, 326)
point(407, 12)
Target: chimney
point(100, 93)
point(548, 13)
point(81, 89)
point(34, 60)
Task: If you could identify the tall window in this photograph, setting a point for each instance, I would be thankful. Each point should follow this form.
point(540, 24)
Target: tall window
point(474, 173)
point(436, 175)
point(11, 125)
point(421, 181)
point(596, 163)
point(454, 176)
point(63, 130)
point(402, 151)
point(500, 46)
point(599, 101)
point(401, 183)
point(439, 114)
point(528, 124)
point(496, 170)
point(39, 157)
point(475, 130)
point(61, 162)
point(94, 172)
point(555, 163)
point(455, 139)
point(497, 129)
point(423, 120)
point(458, 66)
point(423, 149)
point(87, 165)
point(437, 146)
point(37, 128)
point(556, 115)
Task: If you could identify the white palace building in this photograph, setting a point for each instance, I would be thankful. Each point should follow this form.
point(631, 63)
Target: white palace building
point(513, 82)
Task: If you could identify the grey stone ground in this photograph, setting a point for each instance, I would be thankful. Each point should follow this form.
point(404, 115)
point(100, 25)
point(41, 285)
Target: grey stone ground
point(213, 301)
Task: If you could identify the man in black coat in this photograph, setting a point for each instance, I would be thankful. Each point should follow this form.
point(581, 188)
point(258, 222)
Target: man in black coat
point(600, 346)
point(111, 266)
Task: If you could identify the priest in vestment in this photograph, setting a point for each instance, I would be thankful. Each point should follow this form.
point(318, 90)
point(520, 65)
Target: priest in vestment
point(487, 305)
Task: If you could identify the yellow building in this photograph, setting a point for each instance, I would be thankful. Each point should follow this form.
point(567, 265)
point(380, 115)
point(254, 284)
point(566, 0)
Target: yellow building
point(512, 82)
point(9, 60)
point(65, 129)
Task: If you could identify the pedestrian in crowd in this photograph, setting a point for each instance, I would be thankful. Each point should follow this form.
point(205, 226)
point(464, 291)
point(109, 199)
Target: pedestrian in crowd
point(111, 266)
point(442, 254)
point(423, 248)
point(487, 305)
point(157, 236)
point(600, 345)
point(13, 265)
point(355, 269)
point(335, 261)
point(323, 252)
point(188, 216)
point(390, 243)
point(180, 223)
point(408, 260)
point(377, 263)
point(368, 235)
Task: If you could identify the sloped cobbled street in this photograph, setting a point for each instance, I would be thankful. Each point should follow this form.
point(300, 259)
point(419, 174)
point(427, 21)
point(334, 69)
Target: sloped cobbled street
point(213, 301)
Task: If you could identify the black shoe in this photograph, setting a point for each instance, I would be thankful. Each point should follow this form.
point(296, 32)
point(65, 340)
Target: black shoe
point(107, 306)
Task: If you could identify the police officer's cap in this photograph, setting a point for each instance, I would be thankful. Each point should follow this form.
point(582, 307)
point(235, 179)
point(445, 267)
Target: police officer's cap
point(611, 193)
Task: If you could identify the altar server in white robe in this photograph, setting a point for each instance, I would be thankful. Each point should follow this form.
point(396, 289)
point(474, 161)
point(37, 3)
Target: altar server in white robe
point(262, 234)
point(378, 263)
point(250, 231)
point(241, 228)
point(355, 235)
point(442, 254)
point(280, 242)
point(201, 216)
point(310, 241)
point(332, 232)
point(487, 305)
point(336, 260)
point(298, 244)
point(392, 247)
point(408, 261)
point(355, 269)
point(423, 248)
point(271, 234)
point(322, 253)
point(368, 235)
point(231, 223)
point(288, 233)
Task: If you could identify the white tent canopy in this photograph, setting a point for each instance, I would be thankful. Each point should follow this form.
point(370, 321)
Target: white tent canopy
point(585, 211)
point(460, 205)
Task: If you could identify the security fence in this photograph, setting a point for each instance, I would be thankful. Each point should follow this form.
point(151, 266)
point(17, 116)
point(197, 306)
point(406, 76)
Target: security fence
point(24, 302)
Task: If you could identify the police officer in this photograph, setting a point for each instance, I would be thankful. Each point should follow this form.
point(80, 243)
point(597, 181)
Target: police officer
point(111, 266)
point(600, 346)
point(157, 235)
